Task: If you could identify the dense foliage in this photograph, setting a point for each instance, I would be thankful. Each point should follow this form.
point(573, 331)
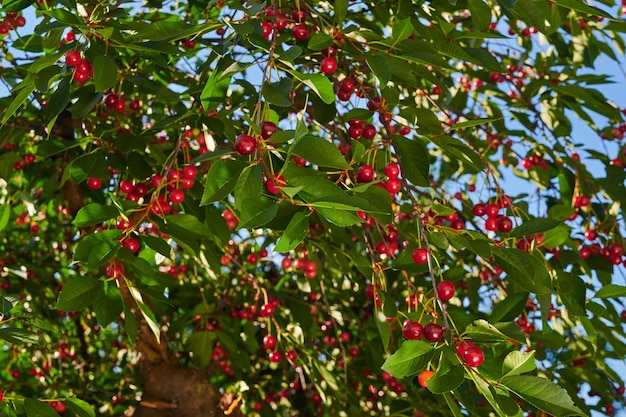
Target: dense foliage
point(332, 208)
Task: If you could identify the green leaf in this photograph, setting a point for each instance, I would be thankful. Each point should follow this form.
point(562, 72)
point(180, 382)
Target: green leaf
point(320, 152)
point(15, 5)
point(295, 232)
point(415, 161)
point(427, 121)
point(80, 407)
point(256, 212)
point(509, 307)
point(486, 391)
point(516, 363)
point(319, 41)
point(277, 93)
point(473, 122)
point(318, 83)
point(378, 65)
point(524, 269)
point(97, 248)
point(18, 336)
point(401, 30)
point(221, 179)
point(411, 358)
point(555, 237)
point(78, 292)
point(481, 14)
point(249, 184)
point(36, 408)
point(158, 244)
point(456, 149)
point(341, 9)
point(543, 394)
point(26, 88)
point(446, 379)
point(89, 165)
point(580, 6)
point(8, 302)
point(94, 213)
point(534, 226)
point(611, 291)
point(104, 72)
point(200, 344)
point(483, 331)
point(58, 102)
point(5, 216)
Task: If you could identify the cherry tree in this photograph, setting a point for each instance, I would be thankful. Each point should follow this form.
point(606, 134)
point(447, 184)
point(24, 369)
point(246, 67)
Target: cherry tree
point(311, 208)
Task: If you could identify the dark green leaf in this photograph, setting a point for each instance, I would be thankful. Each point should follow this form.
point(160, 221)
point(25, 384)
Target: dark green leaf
point(5, 215)
point(294, 233)
point(446, 379)
point(543, 394)
point(249, 184)
point(104, 72)
point(18, 336)
point(509, 307)
point(533, 226)
point(277, 93)
point(94, 213)
point(319, 151)
point(97, 248)
point(36, 408)
point(78, 293)
point(319, 41)
point(481, 14)
point(456, 149)
point(256, 212)
point(524, 269)
point(58, 102)
point(611, 291)
point(200, 344)
point(411, 358)
point(378, 65)
point(221, 180)
point(80, 407)
point(341, 9)
point(26, 88)
point(415, 162)
point(158, 244)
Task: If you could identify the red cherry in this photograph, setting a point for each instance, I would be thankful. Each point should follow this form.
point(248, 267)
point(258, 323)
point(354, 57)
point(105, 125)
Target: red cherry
point(492, 210)
point(268, 129)
point(70, 36)
point(365, 173)
point(393, 185)
point(275, 356)
point(505, 224)
point(73, 58)
point(473, 356)
point(300, 31)
point(412, 330)
point(273, 183)
point(433, 332)
point(392, 170)
point(190, 172)
point(131, 243)
point(292, 355)
point(245, 144)
point(269, 342)
point(445, 290)
point(479, 209)
point(463, 346)
point(299, 15)
point(266, 310)
point(328, 65)
point(177, 196)
point(591, 234)
point(420, 255)
point(94, 183)
point(347, 85)
point(491, 223)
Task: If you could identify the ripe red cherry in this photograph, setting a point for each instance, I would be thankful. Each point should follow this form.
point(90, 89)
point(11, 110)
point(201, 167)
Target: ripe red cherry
point(433, 332)
point(266, 310)
point(299, 14)
point(273, 183)
point(412, 330)
point(190, 172)
point(492, 210)
point(369, 131)
point(268, 129)
point(72, 58)
point(445, 290)
point(393, 185)
point(479, 209)
point(347, 85)
point(420, 255)
point(491, 223)
point(505, 224)
point(392, 170)
point(328, 65)
point(131, 243)
point(177, 197)
point(275, 356)
point(94, 183)
point(70, 36)
point(269, 342)
point(591, 234)
point(365, 173)
point(245, 144)
point(473, 356)
point(300, 31)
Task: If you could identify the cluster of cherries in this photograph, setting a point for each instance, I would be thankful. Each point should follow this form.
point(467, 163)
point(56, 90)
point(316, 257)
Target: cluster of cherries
point(11, 21)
